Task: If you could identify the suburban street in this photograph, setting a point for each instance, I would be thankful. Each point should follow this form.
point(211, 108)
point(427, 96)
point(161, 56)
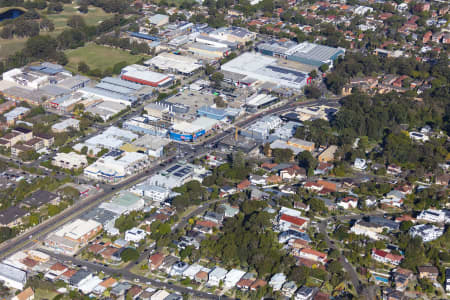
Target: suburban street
point(32, 236)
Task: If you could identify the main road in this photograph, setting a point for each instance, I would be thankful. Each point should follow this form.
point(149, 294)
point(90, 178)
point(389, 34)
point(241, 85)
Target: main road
point(28, 238)
point(127, 275)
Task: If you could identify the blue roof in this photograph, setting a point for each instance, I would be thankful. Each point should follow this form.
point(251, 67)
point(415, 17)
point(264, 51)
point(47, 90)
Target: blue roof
point(143, 36)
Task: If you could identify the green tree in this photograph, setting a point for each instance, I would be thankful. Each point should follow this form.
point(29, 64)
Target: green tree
point(219, 102)
point(282, 155)
point(129, 254)
point(83, 67)
point(217, 78)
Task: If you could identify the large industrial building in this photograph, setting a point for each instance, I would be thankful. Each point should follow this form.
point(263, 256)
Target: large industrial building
point(174, 63)
point(304, 53)
point(118, 90)
point(141, 75)
point(251, 68)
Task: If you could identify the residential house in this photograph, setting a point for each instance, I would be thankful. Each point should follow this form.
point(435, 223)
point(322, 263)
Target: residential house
point(429, 272)
point(293, 173)
point(360, 164)
point(155, 261)
point(348, 202)
point(305, 293)
point(394, 170)
point(287, 222)
point(328, 154)
point(386, 257)
point(312, 254)
point(27, 294)
point(216, 275)
point(427, 232)
point(432, 216)
point(277, 281)
point(394, 199)
point(233, 277)
point(12, 216)
point(243, 185)
point(402, 278)
point(257, 284)
point(368, 229)
point(289, 289)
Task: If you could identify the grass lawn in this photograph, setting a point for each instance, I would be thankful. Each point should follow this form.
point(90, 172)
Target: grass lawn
point(98, 57)
point(8, 47)
point(44, 294)
point(93, 17)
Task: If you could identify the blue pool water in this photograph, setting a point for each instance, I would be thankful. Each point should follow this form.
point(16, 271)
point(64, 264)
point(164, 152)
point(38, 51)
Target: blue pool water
point(11, 14)
point(382, 279)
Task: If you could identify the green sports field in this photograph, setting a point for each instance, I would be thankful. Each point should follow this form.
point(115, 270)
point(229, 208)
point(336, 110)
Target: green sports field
point(98, 57)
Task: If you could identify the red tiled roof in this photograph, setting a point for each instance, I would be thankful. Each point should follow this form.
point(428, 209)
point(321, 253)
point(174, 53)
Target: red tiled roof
point(205, 223)
point(387, 255)
point(58, 267)
point(293, 220)
point(156, 258)
point(314, 252)
point(69, 273)
point(244, 283)
point(108, 282)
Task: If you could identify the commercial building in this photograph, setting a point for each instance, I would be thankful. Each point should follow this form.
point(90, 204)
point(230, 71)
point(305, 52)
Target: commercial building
point(233, 34)
point(258, 101)
point(174, 176)
point(26, 78)
point(154, 192)
point(16, 114)
point(118, 90)
point(64, 103)
point(262, 128)
point(208, 51)
point(113, 168)
point(174, 63)
point(306, 53)
point(66, 125)
point(70, 160)
point(154, 146)
point(146, 77)
point(146, 125)
point(185, 132)
point(12, 277)
point(251, 68)
point(72, 236)
point(112, 138)
point(106, 109)
point(159, 20)
point(293, 144)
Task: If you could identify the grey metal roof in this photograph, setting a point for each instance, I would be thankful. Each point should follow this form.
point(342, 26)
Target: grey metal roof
point(13, 273)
